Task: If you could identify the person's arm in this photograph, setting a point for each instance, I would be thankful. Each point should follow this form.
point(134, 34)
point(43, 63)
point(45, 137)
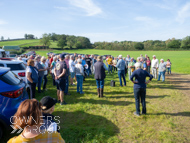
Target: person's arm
point(28, 75)
point(105, 67)
point(63, 73)
point(132, 76)
point(157, 64)
point(117, 64)
point(149, 75)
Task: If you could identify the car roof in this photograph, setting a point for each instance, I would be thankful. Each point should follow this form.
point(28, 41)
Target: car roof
point(11, 61)
point(4, 70)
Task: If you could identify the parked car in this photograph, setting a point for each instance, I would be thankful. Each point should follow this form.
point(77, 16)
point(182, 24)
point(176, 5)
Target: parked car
point(2, 53)
point(12, 93)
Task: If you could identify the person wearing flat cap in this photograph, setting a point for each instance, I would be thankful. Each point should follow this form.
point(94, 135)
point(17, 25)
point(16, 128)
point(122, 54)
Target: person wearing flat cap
point(60, 78)
point(100, 75)
point(47, 105)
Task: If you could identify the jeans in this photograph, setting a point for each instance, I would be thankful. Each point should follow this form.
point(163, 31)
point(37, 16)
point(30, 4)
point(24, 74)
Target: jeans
point(67, 85)
point(129, 72)
point(109, 68)
point(53, 77)
point(140, 93)
point(148, 69)
point(32, 87)
point(114, 69)
point(100, 83)
point(121, 74)
point(79, 83)
point(161, 74)
point(154, 73)
point(88, 71)
point(169, 70)
point(39, 83)
point(45, 82)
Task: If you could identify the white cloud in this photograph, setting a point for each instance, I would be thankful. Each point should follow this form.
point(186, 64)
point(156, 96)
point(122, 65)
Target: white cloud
point(88, 6)
point(143, 18)
point(2, 22)
point(183, 13)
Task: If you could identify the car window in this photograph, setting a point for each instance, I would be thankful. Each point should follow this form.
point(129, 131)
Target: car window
point(1, 65)
point(15, 67)
point(10, 78)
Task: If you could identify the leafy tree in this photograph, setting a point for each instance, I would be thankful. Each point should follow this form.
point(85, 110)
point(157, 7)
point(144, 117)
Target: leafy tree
point(185, 43)
point(2, 38)
point(173, 44)
point(30, 36)
point(25, 36)
point(139, 46)
point(45, 39)
point(62, 41)
point(54, 37)
point(71, 41)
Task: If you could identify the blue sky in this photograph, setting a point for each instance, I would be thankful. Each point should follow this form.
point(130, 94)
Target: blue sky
point(99, 20)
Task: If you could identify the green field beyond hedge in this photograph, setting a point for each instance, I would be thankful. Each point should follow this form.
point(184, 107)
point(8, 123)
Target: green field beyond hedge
point(180, 59)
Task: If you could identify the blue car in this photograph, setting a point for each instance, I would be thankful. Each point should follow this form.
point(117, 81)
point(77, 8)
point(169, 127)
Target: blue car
point(12, 93)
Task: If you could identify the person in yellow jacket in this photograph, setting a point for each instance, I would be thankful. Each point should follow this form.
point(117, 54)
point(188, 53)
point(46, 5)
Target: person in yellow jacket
point(109, 62)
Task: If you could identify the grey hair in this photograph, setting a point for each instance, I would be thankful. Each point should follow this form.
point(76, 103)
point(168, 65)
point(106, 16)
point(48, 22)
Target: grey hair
point(71, 56)
point(54, 58)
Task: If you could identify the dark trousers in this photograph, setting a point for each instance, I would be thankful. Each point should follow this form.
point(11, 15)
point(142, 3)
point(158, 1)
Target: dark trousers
point(39, 83)
point(114, 69)
point(45, 82)
point(140, 94)
point(67, 85)
point(121, 74)
point(32, 87)
point(53, 77)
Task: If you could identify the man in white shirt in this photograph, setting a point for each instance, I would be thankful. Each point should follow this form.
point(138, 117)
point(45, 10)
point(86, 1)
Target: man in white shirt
point(154, 66)
point(72, 68)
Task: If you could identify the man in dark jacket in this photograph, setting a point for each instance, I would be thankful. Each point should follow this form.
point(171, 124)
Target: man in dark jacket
point(100, 75)
point(140, 87)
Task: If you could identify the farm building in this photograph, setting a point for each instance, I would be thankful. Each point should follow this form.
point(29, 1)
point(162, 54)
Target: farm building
point(11, 48)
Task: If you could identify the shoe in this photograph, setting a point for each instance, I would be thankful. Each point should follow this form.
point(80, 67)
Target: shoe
point(63, 103)
point(135, 113)
point(143, 113)
point(82, 93)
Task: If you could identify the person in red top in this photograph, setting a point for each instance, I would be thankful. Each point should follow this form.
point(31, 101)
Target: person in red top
point(148, 62)
point(51, 59)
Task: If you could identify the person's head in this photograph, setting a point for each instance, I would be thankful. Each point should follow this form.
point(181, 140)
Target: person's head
point(19, 58)
point(86, 56)
point(124, 58)
point(146, 56)
point(154, 56)
point(120, 56)
point(75, 54)
point(43, 59)
point(48, 104)
point(79, 56)
point(128, 56)
point(67, 57)
point(49, 57)
point(168, 60)
point(54, 58)
point(71, 57)
point(83, 57)
point(92, 56)
point(99, 58)
point(29, 113)
point(79, 61)
point(115, 58)
point(109, 56)
point(137, 65)
point(131, 60)
point(141, 55)
point(138, 59)
point(62, 57)
point(52, 55)
point(161, 60)
point(76, 58)
point(30, 62)
point(141, 59)
point(37, 59)
point(95, 57)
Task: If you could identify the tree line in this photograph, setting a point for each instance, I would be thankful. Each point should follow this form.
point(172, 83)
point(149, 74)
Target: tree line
point(66, 41)
point(169, 44)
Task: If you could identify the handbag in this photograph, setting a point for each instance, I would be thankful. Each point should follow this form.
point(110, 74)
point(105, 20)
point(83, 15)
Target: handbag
point(112, 83)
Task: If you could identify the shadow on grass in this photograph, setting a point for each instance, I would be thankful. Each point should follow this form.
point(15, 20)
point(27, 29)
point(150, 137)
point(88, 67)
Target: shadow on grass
point(147, 96)
point(172, 114)
point(83, 127)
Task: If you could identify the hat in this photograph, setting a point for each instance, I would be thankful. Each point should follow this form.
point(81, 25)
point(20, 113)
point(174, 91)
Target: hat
point(161, 59)
point(62, 56)
point(48, 102)
point(120, 56)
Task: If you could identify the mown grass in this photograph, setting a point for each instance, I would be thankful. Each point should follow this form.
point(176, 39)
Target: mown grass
point(180, 59)
point(89, 119)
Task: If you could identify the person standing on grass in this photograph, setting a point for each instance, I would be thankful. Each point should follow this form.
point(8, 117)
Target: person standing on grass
point(88, 62)
point(72, 68)
point(109, 61)
point(45, 65)
point(52, 69)
point(131, 68)
point(161, 70)
point(60, 72)
point(168, 66)
point(121, 70)
point(67, 75)
point(148, 62)
point(140, 87)
point(114, 64)
point(100, 75)
point(79, 70)
point(154, 66)
point(128, 59)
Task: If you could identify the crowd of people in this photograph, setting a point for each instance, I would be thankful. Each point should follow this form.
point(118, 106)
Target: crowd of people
point(77, 68)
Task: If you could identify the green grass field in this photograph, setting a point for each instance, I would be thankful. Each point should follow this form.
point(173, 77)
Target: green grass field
point(89, 119)
point(180, 59)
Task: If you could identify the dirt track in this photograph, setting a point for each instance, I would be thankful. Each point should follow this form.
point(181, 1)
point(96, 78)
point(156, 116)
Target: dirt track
point(181, 82)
